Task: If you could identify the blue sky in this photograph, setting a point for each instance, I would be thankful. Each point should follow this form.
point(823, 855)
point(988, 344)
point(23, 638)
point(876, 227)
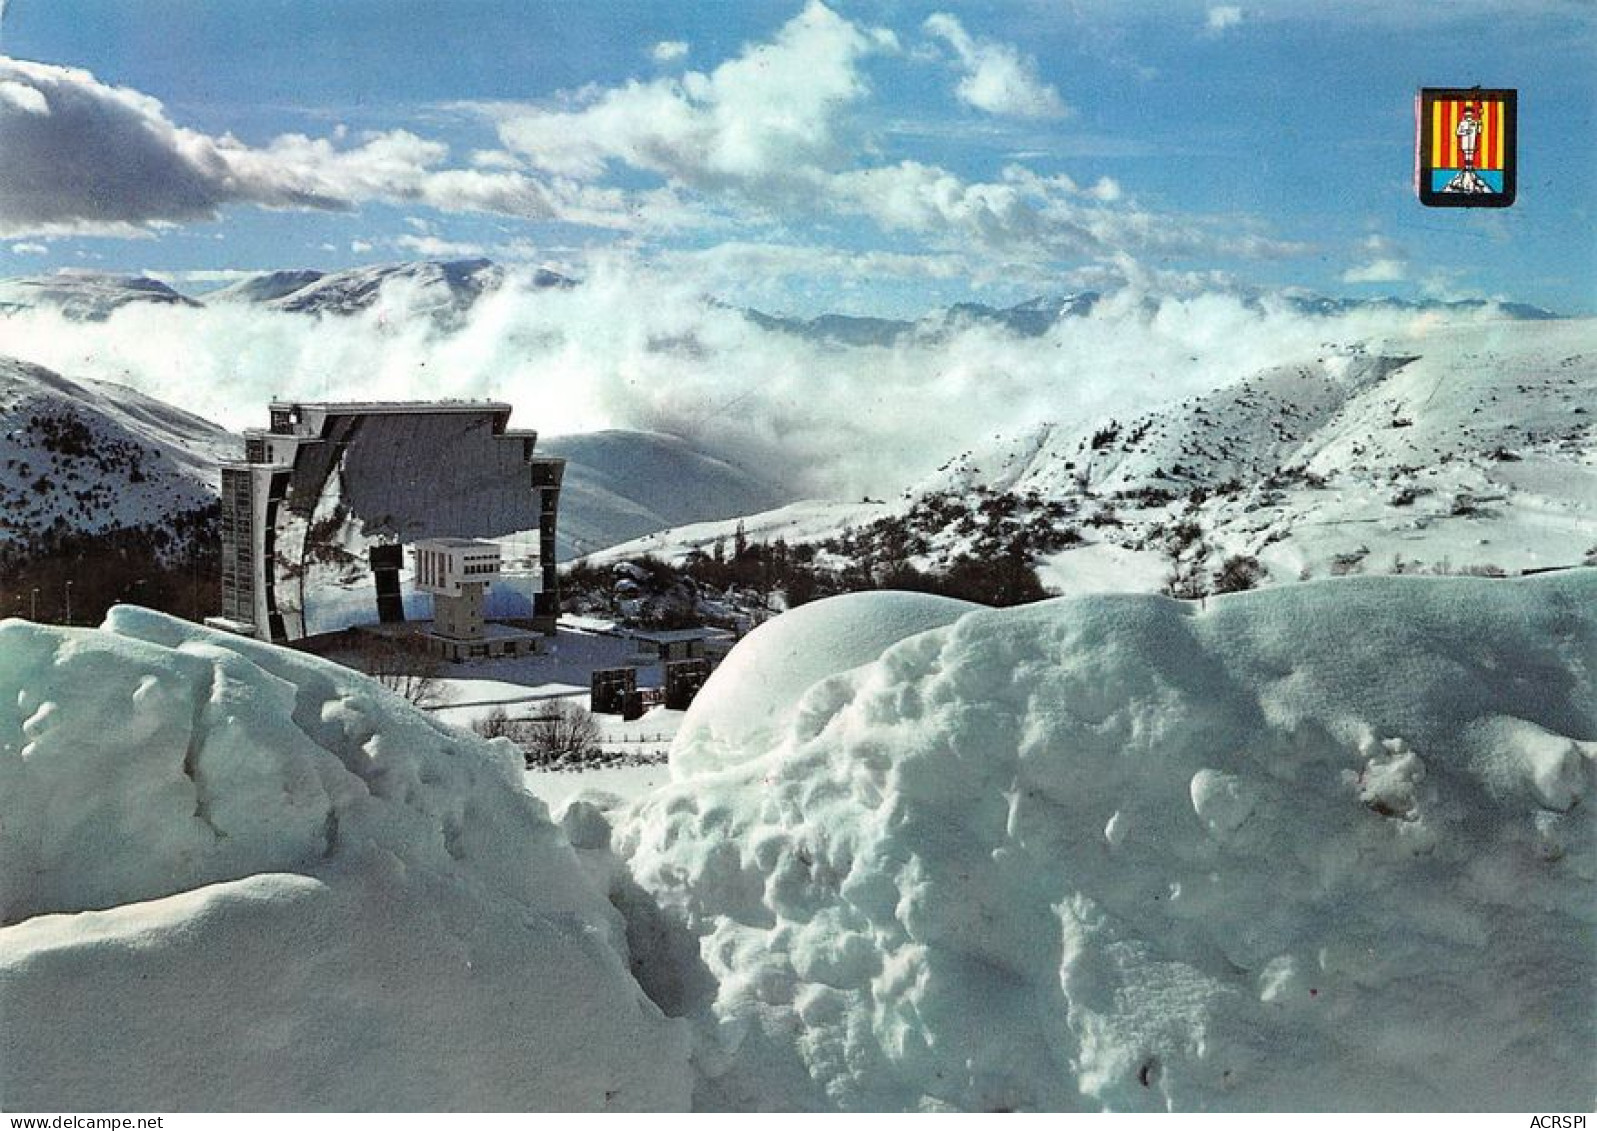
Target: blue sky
point(876, 158)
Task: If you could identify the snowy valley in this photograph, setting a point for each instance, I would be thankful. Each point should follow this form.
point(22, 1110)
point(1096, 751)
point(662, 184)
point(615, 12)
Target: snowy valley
point(1460, 447)
point(1156, 844)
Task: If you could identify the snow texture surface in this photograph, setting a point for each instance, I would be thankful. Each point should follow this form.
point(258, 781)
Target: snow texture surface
point(1320, 847)
point(241, 878)
point(753, 694)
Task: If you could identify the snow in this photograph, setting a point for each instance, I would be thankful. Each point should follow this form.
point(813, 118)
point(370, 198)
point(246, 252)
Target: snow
point(1319, 847)
point(1464, 443)
point(757, 689)
point(805, 521)
point(238, 877)
point(1103, 567)
point(606, 786)
point(621, 485)
point(139, 463)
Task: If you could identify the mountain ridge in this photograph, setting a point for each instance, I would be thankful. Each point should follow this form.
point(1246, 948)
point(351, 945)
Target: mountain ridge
point(450, 288)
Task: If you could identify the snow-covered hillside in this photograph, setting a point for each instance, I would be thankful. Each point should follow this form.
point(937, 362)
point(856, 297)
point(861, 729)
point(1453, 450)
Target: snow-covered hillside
point(1028, 319)
point(621, 485)
point(1463, 445)
point(1322, 847)
point(85, 296)
point(1460, 446)
point(443, 289)
point(240, 878)
point(1035, 317)
point(265, 288)
point(92, 456)
point(452, 286)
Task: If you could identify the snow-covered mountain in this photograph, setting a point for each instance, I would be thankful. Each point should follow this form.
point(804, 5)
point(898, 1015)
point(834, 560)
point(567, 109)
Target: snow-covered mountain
point(85, 296)
point(1036, 316)
point(444, 288)
point(620, 485)
point(1471, 446)
point(1028, 319)
point(1464, 446)
point(1325, 305)
point(265, 288)
point(449, 288)
point(91, 456)
point(88, 457)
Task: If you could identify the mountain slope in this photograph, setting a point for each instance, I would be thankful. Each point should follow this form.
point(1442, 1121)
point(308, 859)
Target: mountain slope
point(621, 485)
point(445, 289)
point(85, 296)
point(1029, 319)
point(449, 288)
point(89, 457)
point(1034, 317)
point(265, 288)
point(1468, 446)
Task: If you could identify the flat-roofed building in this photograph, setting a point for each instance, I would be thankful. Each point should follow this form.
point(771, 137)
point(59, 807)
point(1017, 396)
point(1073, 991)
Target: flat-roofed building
point(316, 517)
point(459, 574)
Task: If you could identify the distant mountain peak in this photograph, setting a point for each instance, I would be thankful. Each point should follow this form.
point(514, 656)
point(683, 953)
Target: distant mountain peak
point(449, 287)
point(86, 296)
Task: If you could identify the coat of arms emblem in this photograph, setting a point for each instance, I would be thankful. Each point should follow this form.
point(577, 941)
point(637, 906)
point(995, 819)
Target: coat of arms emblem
point(1464, 153)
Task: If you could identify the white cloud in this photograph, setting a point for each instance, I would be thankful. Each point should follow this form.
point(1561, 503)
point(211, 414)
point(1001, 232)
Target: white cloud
point(432, 247)
point(759, 123)
point(1384, 262)
point(29, 249)
point(996, 77)
point(1036, 218)
point(668, 51)
point(359, 247)
point(1377, 271)
point(1223, 16)
point(494, 159)
point(761, 143)
point(23, 97)
point(107, 160)
point(640, 347)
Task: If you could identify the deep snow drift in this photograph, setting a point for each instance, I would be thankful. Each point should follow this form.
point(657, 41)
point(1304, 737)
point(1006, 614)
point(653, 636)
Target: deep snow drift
point(236, 877)
point(1325, 846)
point(1322, 846)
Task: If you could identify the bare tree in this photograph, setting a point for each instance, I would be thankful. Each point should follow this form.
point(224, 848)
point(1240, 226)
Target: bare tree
point(563, 732)
point(403, 666)
point(496, 725)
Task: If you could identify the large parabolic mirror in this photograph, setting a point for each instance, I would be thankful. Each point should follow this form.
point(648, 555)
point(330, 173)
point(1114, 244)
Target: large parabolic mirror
point(342, 490)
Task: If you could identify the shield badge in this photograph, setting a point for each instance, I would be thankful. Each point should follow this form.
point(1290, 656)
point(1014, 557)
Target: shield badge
point(1465, 147)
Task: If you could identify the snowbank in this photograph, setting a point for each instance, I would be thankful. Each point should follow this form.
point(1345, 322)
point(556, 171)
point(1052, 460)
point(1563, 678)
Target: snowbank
point(750, 697)
point(241, 878)
point(1321, 847)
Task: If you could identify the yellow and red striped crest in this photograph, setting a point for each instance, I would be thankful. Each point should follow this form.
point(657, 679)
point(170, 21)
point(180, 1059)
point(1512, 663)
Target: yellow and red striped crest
point(1465, 147)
